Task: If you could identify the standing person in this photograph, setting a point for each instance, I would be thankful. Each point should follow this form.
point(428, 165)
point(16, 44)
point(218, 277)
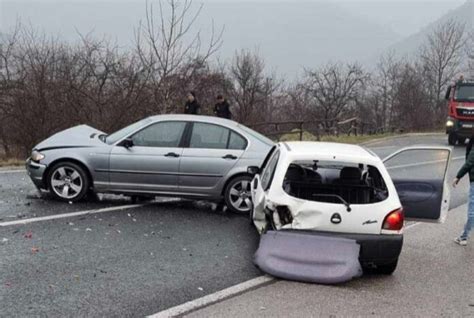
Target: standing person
point(468, 167)
point(192, 106)
point(222, 108)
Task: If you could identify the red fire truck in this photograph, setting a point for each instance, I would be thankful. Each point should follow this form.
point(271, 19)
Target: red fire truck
point(460, 122)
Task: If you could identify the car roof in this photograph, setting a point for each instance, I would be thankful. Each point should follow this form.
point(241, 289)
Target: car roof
point(306, 149)
point(202, 118)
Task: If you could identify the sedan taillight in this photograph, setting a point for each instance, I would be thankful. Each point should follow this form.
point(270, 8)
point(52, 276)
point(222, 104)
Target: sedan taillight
point(394, 220)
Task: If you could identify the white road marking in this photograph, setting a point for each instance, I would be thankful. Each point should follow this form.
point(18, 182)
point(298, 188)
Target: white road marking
point(411, 225)
point(382, 147)
point(422, 163)
point(12, 171)
point(214, 298)
point(72, 214)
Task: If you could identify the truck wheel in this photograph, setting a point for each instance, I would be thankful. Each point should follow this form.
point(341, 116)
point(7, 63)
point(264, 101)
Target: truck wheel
point(452, 139)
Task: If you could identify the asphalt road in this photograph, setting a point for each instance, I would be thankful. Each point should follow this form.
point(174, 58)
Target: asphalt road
point(130, 262)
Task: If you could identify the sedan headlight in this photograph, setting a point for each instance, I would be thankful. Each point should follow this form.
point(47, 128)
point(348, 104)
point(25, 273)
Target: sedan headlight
point(37, 156)
point(449, 123)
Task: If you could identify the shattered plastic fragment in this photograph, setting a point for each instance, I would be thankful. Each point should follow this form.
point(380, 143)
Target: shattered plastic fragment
point(308, 257)
point(28, 235)
point(35, 250)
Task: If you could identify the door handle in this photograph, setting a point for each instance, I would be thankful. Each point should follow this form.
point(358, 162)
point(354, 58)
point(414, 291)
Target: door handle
point(172, 154)
point(229, 156)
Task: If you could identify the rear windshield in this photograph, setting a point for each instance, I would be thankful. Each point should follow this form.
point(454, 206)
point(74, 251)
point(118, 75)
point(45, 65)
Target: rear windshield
point(335, 182)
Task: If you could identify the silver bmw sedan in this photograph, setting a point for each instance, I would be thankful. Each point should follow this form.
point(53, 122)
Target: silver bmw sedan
point(167, 155)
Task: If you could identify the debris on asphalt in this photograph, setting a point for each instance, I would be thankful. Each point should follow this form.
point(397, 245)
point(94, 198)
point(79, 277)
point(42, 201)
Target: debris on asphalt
point(16, 231)
point(134, 220)
point(70, 223)
point(70, 202)
point(4, 240)
point(88, 229)
point(8, 284)
point(28, 235)
point(20, 215)
point(200, 288)
point(35, 250)
point(118, 231)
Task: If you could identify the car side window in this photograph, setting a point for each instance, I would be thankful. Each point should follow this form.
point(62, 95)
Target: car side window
point(209, 136)
point(237, 142)
point(165, 134)
point(269, 171)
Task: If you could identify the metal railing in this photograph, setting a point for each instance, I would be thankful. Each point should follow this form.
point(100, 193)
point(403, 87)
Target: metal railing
point(318, 128)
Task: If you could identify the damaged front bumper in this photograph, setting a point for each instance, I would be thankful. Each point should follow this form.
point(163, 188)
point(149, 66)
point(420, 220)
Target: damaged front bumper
point(307, 257)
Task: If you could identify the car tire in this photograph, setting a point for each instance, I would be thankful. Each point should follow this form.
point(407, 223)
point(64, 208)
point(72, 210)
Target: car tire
point(387, 269)
point(67, 182)
point(237, 195)
point(461, 141)
point(452, 139)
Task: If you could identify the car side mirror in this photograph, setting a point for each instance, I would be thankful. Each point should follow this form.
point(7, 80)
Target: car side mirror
point(127, 143)
point(253, 170)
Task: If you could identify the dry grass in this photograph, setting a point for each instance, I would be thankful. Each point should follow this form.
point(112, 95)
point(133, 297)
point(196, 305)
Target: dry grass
point(11, 162)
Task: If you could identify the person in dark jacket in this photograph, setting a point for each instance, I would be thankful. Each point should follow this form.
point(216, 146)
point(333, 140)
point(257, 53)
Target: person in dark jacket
point(222, 108)
point(468, 167)
point(192, 106)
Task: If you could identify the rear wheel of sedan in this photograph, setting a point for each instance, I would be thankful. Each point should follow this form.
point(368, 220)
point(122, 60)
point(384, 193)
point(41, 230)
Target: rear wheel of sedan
point(237, 195)
point(387, 269)
point(68, 181)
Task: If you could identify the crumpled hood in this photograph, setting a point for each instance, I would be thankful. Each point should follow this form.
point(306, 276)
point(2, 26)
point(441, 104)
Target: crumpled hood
point(78, 136)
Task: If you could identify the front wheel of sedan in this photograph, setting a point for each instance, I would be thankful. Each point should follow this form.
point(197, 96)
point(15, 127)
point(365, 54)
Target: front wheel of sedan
point(68, 182)
point(237, 195)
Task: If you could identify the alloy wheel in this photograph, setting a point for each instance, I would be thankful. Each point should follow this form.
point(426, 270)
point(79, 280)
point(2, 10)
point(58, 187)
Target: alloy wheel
point(240, 196)
point(66, 182)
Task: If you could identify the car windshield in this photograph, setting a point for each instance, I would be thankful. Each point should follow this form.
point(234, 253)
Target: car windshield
point(257, 135)
point(464, 93)
point(116, 136)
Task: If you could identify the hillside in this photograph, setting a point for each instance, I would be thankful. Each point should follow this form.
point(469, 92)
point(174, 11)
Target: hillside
point(462, 14)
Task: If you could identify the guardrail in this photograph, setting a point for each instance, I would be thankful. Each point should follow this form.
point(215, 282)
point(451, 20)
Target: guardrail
point(319, 128)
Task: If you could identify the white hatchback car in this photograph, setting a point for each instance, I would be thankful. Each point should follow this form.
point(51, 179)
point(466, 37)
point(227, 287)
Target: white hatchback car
point(346, 191)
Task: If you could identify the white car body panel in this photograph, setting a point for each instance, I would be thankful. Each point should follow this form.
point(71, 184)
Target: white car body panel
point(314, 215)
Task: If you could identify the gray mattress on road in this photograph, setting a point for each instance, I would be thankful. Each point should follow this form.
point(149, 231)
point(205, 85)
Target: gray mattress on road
point(308, 258)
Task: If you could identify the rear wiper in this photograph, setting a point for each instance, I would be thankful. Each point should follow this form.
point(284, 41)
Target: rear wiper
point(348, 207)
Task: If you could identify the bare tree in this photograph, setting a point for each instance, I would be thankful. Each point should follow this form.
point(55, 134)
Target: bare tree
point(470, 53)
point(441, 57)
point(334, 90)
point(252, 89)
point(166, 43)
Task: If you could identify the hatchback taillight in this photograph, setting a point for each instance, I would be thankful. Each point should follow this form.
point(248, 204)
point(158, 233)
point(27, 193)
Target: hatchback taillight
point(394, 220)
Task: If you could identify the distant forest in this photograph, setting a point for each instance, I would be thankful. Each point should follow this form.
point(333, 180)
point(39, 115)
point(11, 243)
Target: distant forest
point(47, 85)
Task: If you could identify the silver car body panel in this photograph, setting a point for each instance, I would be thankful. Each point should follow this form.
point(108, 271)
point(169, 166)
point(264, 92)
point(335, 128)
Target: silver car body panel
point(114, 168)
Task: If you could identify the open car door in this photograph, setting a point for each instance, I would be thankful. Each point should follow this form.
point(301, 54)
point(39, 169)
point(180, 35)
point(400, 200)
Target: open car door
point(419, 175)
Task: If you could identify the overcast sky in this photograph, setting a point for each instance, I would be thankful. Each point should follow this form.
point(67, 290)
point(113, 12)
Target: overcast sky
point(334, 28)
